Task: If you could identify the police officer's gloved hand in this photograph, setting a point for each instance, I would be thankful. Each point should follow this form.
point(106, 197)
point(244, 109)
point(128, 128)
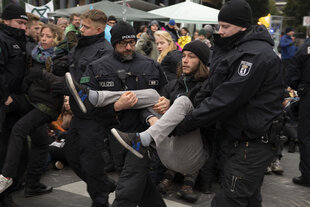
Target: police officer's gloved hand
point(185, 126)
point(60, 87)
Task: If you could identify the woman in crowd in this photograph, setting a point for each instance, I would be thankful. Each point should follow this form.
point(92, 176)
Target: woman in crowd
point(39, 106)
point(184, 37)
point(146, 44)
point(169, 57)
point(58, 131)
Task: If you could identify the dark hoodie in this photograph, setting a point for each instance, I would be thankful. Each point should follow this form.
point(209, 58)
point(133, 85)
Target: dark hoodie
point(245, 83)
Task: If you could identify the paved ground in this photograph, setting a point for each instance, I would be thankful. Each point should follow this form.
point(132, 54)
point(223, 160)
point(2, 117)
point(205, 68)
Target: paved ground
point(70, 191)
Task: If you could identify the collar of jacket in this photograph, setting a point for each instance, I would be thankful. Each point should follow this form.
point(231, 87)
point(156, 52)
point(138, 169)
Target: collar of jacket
point(17, 34)
point(228, 43)
point(88, 40)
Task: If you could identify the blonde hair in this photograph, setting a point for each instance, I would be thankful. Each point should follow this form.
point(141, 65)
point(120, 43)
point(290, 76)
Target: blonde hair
point(56, 31)
point(96, 16)
point(170, 41)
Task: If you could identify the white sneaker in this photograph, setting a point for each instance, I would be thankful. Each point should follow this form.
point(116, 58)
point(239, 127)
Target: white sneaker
point(5, 183)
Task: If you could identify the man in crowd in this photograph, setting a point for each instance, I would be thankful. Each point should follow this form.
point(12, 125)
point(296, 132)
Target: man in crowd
point(12, 71)
point(72, 32)
point(298, 78)
point(245, 87)
point(172, 28)
point(85, 144)
point(112, 21)
point(288, 48)
point(32, 32)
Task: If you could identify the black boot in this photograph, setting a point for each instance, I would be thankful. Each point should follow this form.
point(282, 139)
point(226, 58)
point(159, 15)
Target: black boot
point(292, 146)
point(164, 186)
point(187, 193)
point(301, 180)
point(38, 189)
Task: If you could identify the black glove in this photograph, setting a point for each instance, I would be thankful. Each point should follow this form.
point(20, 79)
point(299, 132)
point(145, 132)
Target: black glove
point(60, 87)
point(185, 126)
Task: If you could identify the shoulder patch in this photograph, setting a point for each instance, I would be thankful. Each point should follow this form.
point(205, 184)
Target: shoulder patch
point(308, 50)
point(84, 79)
point(244, 68)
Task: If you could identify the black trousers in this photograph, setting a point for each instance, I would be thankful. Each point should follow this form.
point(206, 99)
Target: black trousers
point(135, 186)
point(304, 134)
point(243, 174)
point(84, 153)
point(32, 123)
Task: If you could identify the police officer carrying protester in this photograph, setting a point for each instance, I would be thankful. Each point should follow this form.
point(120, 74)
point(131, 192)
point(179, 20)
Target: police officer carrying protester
point(245, 87)
point(85, 144)
point(298, 78)
point(12, 71)
point(126, 70)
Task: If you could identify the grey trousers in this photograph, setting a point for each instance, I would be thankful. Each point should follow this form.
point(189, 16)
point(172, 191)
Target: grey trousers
point(184, 154)
point(146, 98)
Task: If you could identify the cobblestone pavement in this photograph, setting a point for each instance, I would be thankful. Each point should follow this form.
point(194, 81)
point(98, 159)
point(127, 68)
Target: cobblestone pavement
point(70, 191)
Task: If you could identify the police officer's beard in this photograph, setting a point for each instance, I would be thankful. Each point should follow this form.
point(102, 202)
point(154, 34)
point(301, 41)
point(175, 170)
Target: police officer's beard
point(228, 43)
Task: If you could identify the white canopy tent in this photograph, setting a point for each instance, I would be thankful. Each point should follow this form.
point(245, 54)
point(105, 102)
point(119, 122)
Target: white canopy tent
point(189, 12)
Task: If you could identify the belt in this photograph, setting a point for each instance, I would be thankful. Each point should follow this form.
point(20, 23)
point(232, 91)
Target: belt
point(263, 139)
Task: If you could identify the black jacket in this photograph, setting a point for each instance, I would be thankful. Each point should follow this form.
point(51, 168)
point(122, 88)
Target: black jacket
point(298, 71)
point(170, 63)
point(12, 60)
point(246, 84)
point(142, 73)
point(40, 94)
point(88, 49)
point(185, 85)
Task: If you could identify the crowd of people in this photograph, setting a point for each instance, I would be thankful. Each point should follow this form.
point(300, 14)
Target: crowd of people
point(155, 106)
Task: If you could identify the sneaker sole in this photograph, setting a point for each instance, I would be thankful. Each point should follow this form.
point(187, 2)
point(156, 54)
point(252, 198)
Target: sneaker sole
point(122, 142)
point(72, 89)
point(6, 187)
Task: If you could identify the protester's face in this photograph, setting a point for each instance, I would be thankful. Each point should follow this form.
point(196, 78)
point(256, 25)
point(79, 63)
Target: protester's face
point(190, 62)
point(227, 29)
point(47, 38)
point(66, 103)
point(201, 37)
point(161, 43)
point(291, 33)
point(183, 32)
point(111, 23)
point(34, 30)
point(76, 21)
point(90, 28)
point(126, 48)
point(16, 23)
point(63, 26)
point(154, 27)
point(196, 34)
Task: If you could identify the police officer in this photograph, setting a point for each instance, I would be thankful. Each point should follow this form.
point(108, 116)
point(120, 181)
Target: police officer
point(127, 70)
point(299, 79)
point(245, 86)
point(84, 146)
point(12, 71)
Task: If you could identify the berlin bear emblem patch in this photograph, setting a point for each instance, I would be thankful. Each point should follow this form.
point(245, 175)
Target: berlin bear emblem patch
point(244, 68)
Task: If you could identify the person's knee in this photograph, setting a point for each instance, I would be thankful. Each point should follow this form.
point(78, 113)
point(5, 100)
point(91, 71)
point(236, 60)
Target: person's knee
point(185, 102)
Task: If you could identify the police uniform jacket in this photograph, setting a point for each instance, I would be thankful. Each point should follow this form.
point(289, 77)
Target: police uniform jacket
point(12, 60)
point(142, 73)
point(299, 69)
point(246, 87)
point(88, 49)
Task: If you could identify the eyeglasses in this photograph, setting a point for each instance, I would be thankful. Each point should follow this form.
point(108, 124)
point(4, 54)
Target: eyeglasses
point(125, 43)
